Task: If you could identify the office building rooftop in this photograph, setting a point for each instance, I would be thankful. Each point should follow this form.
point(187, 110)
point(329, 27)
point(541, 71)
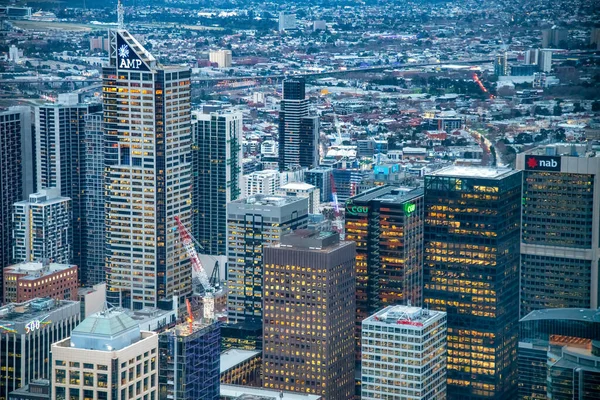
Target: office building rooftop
point(310, 239)
point(574, 314)
point(413, 317)
point(474, 172)
point(36, 270)
point(233, 357)
point(107, 330)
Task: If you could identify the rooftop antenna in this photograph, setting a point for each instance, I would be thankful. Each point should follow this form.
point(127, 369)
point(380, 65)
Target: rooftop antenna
point(120, 15)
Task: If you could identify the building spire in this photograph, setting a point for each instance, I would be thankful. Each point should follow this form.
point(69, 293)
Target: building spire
point(120, 15)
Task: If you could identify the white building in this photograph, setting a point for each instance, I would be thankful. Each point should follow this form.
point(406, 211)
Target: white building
point(106, 357)
point(319, 25)
point(545, 60)
point(287, 21)
point(13, 54)
point(41, 228)
point(221, 57)
point(301, 189)
point(269, 148)
point(404, 354)
point(262, 182)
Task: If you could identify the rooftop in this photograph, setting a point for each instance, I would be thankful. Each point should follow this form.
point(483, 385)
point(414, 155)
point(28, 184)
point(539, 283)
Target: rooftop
point(310, 239)
point(30, 310)
point(573, 314)
point(268, 200)
point(110, 329)
point(474, 172)
point(562, 149)
point(35, 270)
point(390, 194)
point(236, 392)
point(233, 357)
point(297, 186)
point(413, 317)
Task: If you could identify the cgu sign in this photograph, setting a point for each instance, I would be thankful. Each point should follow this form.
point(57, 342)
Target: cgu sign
point(355, 210)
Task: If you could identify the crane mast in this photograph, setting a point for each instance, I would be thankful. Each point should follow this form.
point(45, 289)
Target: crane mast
point(198, 272)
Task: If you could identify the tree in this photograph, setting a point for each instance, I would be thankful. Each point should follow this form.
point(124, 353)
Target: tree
point(596, 106)
point(557, 110)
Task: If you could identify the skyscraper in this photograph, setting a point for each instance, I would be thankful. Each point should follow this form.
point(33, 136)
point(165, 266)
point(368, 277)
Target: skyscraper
point(42, 228)
point(501, 64)
point(309, 315)
point(217, 175)
point(147, 141)
point(61, 153)
point(92, 260)
point(387, 225)
point(545, 60)
point(298, 132)
point(16, 171)
point(253, 223)
point(472, 220)
point(560, 234)
point(409, 360)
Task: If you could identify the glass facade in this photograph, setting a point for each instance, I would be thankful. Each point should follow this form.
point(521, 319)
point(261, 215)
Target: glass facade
point(387, 225)
point(557, 229)
point(217, 176)
point(472, 225)
point(189, 362)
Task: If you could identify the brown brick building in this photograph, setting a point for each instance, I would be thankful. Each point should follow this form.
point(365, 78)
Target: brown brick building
point(309, 311)
point(30, 280)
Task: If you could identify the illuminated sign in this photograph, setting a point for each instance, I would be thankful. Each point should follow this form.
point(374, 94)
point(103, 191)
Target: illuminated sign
point(355, 210)
point(35, 325)
point(127, 58)
point(409, 208)
point(542, 163)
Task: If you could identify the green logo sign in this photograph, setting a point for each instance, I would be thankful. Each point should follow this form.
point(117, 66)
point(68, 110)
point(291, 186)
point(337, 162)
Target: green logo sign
point(355, 210)
point(409, 208)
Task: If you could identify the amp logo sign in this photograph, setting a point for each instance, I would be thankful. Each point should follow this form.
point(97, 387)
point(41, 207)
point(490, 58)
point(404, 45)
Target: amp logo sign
point(127, 58)
point(542, 163)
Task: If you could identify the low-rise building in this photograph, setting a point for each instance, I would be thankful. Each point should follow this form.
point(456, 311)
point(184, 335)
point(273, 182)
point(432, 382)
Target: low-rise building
point(29, 280)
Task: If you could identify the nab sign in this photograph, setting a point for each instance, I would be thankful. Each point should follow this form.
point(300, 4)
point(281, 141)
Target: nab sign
point(542, 163)
point(127, 58)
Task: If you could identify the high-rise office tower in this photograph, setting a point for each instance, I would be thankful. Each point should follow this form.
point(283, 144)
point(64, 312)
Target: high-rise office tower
point(287, 21)
point(147, 141)
point(560, 233)
point(501, 64)
point(60, 157)
point(545, 60)
point(92, 260)
point(573, 373)
point(320, 177)
point(543, 334)
point(298, 132)
point(532, 56)
point(471, 271)
point(555, 37)
point(107, 357)
point(408, 361)
point(253, 223)
point(16, 171)
point(28, 332)
point(387, 225)
point(217, 175)
point(189, 362)
point(42, 228)
point(309, 315)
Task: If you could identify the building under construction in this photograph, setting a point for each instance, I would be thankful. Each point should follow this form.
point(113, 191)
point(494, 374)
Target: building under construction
point(190, 361)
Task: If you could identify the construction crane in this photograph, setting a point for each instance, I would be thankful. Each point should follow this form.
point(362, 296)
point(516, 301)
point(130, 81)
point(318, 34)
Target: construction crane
point(337, 222)
point(198, 273)
point(190, 318)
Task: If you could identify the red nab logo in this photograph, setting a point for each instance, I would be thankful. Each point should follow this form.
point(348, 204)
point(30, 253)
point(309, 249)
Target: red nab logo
point(542, 163)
